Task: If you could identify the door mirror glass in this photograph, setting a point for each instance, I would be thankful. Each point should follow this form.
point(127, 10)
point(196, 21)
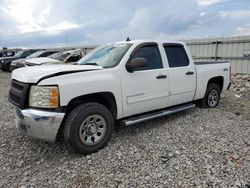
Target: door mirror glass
point(136, 64)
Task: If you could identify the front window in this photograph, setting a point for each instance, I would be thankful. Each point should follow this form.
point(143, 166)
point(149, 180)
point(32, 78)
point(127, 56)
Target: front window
point(19, 54)
point(27, 53)
point(152, 54)
point(54, 55)
point(61, 56)
point(36, 54)
point(106, 56)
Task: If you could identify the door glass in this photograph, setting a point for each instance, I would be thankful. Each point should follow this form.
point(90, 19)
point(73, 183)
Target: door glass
point(177, 56)
point(152, 54)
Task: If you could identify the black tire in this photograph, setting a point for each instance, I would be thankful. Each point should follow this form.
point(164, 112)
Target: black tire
point(204, 103)
point(3, 68)
point(7, 68)
point(74, 124)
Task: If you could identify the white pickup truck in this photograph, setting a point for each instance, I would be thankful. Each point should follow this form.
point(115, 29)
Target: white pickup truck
point(125, 82)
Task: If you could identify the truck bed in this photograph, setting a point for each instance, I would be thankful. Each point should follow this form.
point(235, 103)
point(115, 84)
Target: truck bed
point(211, 69)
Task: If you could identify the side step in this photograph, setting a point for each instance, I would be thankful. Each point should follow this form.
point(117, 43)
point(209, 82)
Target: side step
point(153, 115)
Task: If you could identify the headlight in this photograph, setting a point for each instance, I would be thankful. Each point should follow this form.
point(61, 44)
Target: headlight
point(2, 61)
point(44, 97)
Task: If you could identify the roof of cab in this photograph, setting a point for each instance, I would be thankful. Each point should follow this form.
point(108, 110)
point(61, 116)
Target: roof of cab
point(160, 41)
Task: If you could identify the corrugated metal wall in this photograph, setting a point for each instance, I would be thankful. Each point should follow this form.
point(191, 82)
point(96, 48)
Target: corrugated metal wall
point(234, 49)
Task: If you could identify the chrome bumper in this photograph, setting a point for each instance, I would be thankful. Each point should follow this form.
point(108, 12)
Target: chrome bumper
point(38, 124)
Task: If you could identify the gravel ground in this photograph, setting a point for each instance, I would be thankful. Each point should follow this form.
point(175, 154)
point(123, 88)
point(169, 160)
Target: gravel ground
point(195, 148)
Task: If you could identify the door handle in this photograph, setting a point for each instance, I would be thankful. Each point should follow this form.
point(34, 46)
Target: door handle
point(189, 73)
point(161, 76)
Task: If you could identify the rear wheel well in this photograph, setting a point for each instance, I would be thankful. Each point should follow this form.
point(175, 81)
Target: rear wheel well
point(217, 80)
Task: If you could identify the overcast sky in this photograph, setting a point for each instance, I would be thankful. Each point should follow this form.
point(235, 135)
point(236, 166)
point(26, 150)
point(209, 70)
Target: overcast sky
point(41, 23)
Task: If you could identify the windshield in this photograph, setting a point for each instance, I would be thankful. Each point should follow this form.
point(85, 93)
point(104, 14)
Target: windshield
point(61, 56)
point(36, 54)
point(106, 56)
point(19, 54)
point(54, 55)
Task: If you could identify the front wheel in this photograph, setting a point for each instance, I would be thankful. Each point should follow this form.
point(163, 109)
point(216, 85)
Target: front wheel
point(211, 98)
point(7, 67)
point(88, 127)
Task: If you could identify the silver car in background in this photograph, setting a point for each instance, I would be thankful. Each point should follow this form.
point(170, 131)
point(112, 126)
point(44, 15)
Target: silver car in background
point(65, 57)
point(21, 62)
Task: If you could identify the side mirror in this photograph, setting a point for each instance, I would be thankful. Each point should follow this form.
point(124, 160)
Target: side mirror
point(136, 63)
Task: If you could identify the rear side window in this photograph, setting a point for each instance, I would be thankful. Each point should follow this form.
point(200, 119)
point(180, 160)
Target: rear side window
point(177, 56)
point(152, 54)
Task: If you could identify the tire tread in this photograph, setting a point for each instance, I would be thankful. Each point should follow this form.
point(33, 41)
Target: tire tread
point(73, 115)
point(203, 102)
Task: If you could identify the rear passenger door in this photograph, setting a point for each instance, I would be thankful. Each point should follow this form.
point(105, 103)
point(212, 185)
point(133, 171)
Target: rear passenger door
point(182, 74)
point(145, 89)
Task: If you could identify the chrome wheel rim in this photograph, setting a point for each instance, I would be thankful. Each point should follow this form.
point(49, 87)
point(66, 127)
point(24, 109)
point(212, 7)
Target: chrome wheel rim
point(92, 129)
point(213, 98)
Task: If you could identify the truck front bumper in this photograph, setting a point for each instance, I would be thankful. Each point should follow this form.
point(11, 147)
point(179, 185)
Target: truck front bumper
point(38, 124)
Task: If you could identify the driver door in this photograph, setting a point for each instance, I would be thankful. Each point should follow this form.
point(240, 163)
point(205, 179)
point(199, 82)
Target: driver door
point(145, 89)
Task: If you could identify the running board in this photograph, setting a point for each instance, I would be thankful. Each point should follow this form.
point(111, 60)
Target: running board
point(153, 115)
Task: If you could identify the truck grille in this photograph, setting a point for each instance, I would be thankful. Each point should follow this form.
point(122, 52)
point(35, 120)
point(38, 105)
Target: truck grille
point(18, 93)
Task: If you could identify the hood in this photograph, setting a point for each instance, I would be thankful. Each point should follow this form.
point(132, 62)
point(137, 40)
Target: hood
point(36, 73)
point(19, 60)
point(41, 60)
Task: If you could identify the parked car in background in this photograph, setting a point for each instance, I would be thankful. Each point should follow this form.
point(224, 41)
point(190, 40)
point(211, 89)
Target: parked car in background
point(127, 82)
point(5, 62)
point(64, 57)
point(5, 52)
point(21, 62)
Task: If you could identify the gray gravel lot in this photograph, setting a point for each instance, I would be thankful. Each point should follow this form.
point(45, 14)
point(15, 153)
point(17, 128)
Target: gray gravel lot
point(200, 148)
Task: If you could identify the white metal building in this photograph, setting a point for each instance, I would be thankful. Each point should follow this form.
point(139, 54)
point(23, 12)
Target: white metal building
point(234, 49)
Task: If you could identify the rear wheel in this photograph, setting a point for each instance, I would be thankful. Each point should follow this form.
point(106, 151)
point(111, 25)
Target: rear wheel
point(88, 127)
point(212, 97)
